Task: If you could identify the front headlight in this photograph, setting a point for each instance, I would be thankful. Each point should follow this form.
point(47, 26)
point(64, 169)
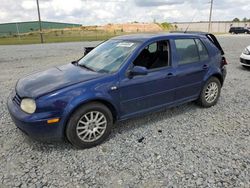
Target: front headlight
point(246, 52)
point(28, 105)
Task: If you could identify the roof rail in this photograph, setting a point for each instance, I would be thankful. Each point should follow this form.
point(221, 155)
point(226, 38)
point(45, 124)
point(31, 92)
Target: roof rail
point(191, 32)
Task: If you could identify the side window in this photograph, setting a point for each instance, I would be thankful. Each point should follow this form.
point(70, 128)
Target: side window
point(202, 50)
point(187, 51)
point(153, 56)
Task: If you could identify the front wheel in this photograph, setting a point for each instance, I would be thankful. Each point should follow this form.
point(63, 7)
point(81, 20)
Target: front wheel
point(89, 125)
point(246, 67)
point(210, 93)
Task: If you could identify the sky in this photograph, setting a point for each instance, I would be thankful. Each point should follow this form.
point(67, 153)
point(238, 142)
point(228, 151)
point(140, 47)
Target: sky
point(99, 12)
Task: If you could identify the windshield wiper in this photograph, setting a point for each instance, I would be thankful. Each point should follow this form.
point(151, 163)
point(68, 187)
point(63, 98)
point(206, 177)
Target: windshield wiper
point(86, 67)
point(75, 62)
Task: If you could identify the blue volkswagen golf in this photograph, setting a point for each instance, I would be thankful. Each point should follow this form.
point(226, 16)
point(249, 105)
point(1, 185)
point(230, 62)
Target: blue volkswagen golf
point(121, 78)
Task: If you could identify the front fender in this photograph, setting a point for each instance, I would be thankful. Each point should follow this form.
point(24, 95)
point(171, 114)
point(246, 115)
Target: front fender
point(83, 99)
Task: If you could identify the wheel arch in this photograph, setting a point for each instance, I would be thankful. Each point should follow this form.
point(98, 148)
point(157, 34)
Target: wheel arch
point(108, 104)
point(219, 77)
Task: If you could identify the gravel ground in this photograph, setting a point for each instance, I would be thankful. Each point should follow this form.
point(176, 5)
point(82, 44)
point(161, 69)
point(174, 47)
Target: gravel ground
point(185, 146)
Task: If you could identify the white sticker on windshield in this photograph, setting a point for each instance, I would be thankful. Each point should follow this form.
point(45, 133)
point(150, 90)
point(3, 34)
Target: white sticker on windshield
point(125, 44)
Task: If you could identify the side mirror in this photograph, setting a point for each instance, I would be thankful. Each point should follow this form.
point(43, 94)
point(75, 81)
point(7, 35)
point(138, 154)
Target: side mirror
point(138, 70)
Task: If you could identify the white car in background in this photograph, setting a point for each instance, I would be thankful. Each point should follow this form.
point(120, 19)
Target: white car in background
point(245, 57)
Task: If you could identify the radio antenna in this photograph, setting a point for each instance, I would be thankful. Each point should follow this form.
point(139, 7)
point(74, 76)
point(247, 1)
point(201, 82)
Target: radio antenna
point(191, 21)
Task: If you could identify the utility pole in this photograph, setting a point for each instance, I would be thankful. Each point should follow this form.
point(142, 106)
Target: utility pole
point(39, 19)
point(210, 17)
point(18, 33)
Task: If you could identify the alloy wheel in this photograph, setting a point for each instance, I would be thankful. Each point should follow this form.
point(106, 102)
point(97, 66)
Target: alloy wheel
point(91, 126)
point(211, 92)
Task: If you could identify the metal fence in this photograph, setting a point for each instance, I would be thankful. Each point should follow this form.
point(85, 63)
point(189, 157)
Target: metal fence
point(8, 29)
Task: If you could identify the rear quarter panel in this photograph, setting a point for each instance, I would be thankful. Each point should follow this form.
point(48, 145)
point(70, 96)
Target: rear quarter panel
point(215, 62)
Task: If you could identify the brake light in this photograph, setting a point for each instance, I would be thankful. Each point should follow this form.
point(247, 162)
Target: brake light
point(223, 61)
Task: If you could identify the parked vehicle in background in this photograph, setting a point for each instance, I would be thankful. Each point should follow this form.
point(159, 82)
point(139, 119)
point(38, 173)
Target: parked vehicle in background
point(245, 57)
point(239, 30)
point(122, 78)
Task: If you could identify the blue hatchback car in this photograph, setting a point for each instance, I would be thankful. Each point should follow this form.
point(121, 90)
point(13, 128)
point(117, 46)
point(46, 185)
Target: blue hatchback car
point(124, 77)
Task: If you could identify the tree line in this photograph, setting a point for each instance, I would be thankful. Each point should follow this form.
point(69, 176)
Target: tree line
point(243, 20)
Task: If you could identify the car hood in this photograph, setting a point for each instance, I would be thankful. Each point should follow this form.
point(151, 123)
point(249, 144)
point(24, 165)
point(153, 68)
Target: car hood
point(248, 48)
point(41, 83)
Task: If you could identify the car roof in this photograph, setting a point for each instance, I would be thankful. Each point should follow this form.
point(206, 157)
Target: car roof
point(175, 34)
point(142, 37)
point(237, 28)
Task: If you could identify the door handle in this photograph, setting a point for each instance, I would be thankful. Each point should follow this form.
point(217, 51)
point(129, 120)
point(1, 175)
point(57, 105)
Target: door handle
point(170, 75)
point(205, 66)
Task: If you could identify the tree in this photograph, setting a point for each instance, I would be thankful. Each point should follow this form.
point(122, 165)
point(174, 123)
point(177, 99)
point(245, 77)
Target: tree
point(236, 20)
point(244, 19)
point(166, 26)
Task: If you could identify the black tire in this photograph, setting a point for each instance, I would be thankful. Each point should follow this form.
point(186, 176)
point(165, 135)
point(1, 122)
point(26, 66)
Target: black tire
point(246, 67)
point(202, 101)
point(71, 129)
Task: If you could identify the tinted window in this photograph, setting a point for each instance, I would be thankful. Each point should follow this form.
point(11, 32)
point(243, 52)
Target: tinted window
point(155, 55)
point(202, 50)
point(187, 51)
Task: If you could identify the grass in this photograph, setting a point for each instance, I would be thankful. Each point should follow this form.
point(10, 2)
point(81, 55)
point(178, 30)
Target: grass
point(59, 36)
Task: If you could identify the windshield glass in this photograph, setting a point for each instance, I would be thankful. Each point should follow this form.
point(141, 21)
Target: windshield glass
point(109, 56)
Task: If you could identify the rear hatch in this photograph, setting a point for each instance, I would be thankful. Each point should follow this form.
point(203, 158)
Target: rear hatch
point(214, 40)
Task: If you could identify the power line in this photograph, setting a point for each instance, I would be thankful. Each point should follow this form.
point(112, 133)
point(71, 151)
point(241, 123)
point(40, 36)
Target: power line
point(39, 19)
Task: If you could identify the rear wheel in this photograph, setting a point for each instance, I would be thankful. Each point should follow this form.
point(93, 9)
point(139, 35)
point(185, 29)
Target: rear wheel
point(89, 125)
point(210, 93)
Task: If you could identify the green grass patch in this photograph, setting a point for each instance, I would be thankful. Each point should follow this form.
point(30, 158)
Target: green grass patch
point(59, 36)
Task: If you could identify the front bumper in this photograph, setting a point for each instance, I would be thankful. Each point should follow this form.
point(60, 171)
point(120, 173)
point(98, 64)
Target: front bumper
point(35, 125)
point(245, 60)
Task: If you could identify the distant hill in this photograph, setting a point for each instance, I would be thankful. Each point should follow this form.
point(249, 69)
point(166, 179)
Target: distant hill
point(125, 27)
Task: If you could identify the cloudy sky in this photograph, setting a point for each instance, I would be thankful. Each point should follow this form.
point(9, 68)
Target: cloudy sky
point(91, 12)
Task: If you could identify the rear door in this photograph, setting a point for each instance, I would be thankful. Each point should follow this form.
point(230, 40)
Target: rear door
point(193, 64)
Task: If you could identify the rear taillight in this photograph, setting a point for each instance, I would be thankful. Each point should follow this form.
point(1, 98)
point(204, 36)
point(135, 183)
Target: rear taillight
point(223, 61)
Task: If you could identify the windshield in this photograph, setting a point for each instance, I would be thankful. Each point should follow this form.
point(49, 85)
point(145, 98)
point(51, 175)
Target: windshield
point(109, 56)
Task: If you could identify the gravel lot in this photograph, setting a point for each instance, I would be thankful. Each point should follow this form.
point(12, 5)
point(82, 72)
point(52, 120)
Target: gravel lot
point(185, 146)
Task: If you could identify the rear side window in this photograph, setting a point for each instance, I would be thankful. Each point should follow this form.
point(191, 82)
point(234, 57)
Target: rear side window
point(187, 51)
point(202, 50)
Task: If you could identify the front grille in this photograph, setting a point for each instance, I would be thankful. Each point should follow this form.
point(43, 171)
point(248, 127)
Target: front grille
point(17, 99)
point(245, 61)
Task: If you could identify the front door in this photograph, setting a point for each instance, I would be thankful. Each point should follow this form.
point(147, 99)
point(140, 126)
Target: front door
point(147, 92)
